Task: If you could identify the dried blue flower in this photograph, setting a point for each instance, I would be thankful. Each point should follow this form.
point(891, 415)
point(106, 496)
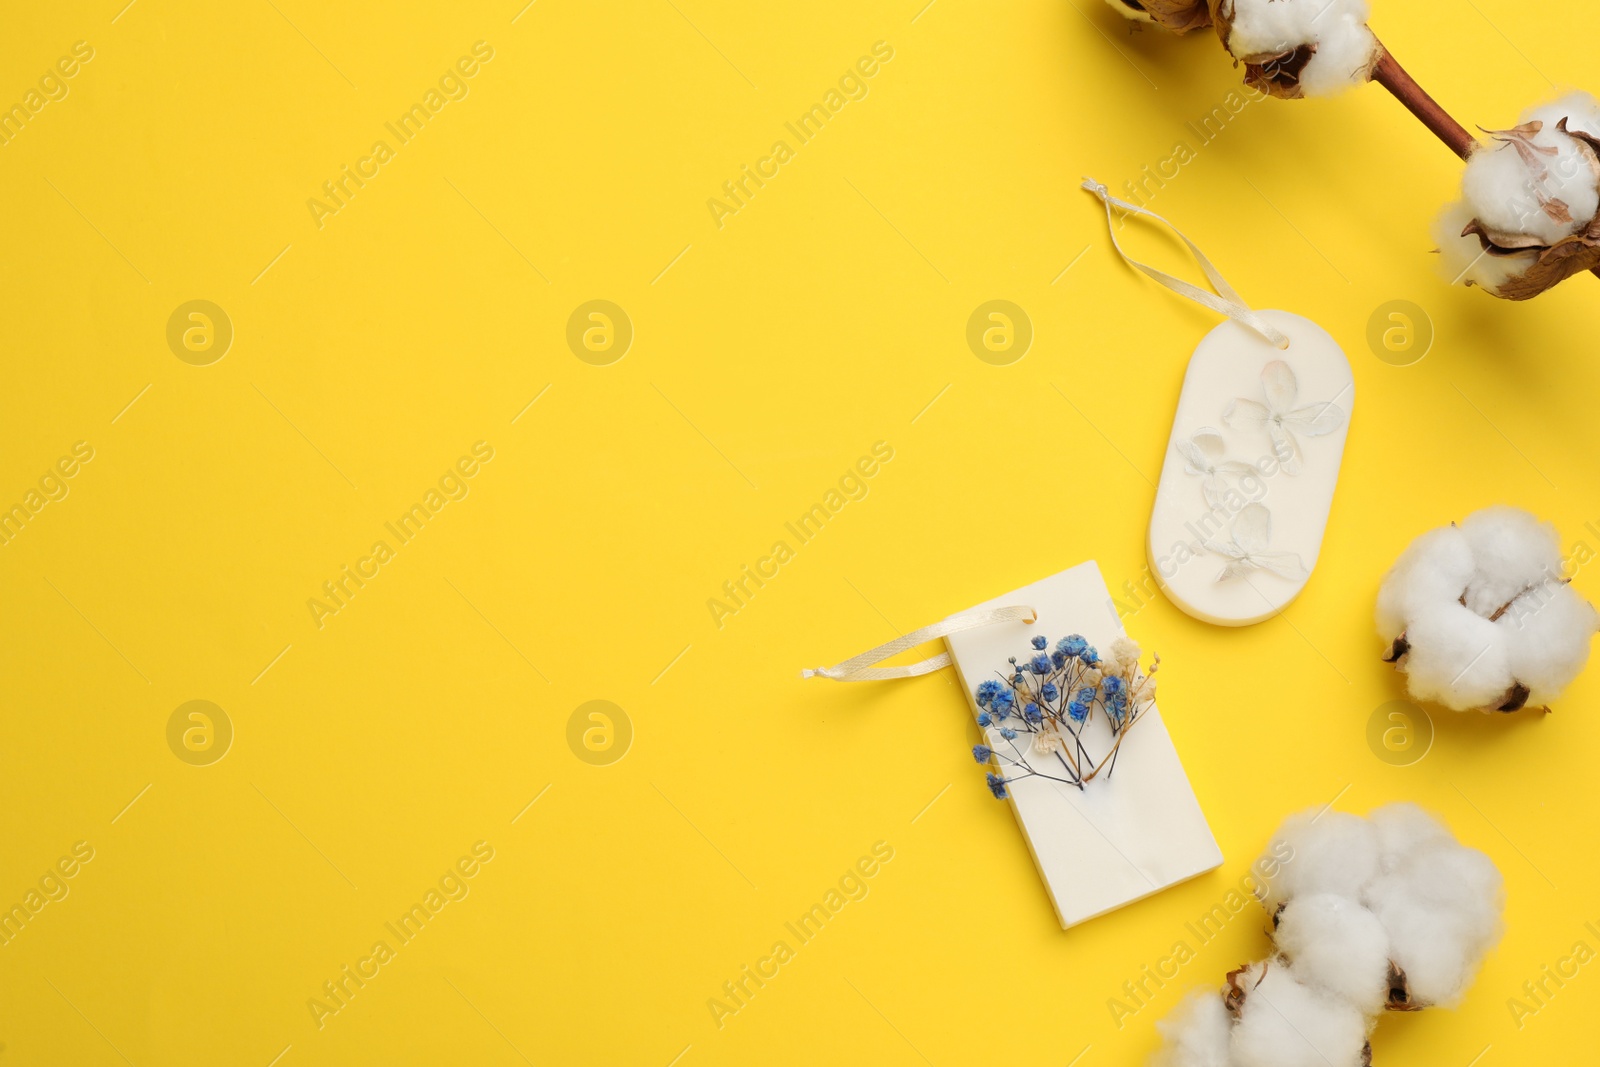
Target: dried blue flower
point(1073, 645)
point(1042, 690)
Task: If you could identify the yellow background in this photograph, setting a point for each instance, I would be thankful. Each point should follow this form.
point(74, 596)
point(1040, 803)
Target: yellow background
point(769, 354)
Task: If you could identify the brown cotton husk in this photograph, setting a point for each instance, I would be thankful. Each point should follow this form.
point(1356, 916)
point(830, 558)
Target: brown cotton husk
point(1400, 998)
point(1233, 997)
point(1179, 16)
point(1276, 74)
point(1554, 265)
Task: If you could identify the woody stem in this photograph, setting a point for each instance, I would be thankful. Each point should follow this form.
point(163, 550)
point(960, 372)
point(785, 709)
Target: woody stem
point(1393, 77)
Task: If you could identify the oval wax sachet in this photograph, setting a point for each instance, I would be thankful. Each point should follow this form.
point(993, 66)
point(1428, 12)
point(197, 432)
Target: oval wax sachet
point(1250, 470)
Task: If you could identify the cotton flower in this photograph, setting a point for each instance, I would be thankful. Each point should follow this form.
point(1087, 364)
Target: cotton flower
point(1439, 902)
point(1295, 48)
point(1284, 421)
point(1530, 200)
point(1386, 912)
point(1479, 617)
point(1251, 533)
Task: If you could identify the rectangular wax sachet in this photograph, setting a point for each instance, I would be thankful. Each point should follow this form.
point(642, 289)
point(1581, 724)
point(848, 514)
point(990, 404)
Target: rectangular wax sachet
point(1121, 837)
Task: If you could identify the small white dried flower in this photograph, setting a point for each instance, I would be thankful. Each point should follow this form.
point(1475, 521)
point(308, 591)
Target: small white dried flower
point(1204, 457)
point(1126, 650)
point(1284, 422)
point(1252, 533)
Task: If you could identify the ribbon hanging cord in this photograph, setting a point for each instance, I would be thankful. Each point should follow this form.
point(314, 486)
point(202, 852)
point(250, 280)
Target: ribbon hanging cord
point(860, 668)
point(1226, 300)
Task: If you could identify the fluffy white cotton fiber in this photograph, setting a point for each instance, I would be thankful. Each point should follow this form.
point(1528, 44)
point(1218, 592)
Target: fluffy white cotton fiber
point(1344, 50)
point(1456, 658)
point(1547, 632)
point(1511, 552)
point(1198, 1034)
point(1478, 616)
point(1334, 853)
point(1433, 569)
point(1285, 1023)
point(1338, 946)
point(1386, 911)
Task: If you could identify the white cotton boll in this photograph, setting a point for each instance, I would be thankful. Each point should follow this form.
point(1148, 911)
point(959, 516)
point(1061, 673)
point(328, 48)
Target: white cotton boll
point(1433, 569)
point(1513, 552)
point(1547, 639)
point(1509, 197)
point(1346, 49)
point(1457, 658)
point(1334, 853)
point(1405, 831)
point(1442, 911)
point(1197, 1033)
point(1462, 260)
point(1285, 1023)
point(1488, 621)
point(1337, 945)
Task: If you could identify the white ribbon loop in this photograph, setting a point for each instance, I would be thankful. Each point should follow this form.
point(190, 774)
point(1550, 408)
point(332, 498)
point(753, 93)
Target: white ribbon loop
point(1228, 302)
point(860, 668)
